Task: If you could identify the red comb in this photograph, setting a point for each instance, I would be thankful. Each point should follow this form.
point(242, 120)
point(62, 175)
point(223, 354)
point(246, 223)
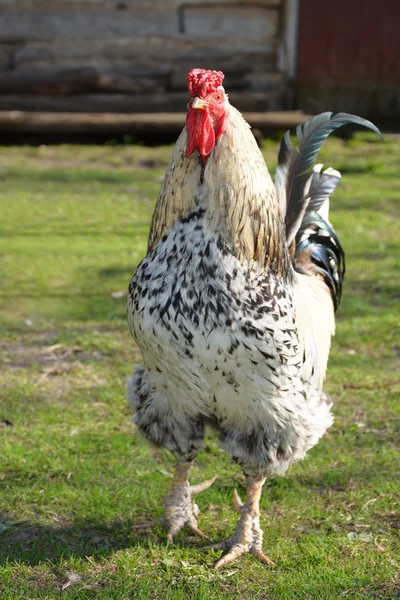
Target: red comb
point(202, 82)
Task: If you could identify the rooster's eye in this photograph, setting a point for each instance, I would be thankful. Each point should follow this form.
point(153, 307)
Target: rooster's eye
point(218, 97)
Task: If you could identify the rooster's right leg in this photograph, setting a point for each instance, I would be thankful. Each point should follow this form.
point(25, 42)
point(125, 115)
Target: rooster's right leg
point(159, 417)
point(179, 508)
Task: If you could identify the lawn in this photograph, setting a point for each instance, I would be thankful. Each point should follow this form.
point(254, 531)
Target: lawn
point(75, 477)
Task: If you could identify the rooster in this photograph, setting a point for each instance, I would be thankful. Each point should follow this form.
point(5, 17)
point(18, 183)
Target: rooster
point(233, 305)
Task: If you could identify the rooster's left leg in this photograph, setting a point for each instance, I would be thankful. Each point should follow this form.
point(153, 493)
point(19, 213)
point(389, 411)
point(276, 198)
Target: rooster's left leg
point(248, 534)
point(179, 508)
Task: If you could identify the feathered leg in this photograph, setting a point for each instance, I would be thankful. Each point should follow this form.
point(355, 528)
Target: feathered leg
point(248, 534)
point(183, 436)
point(179, 509)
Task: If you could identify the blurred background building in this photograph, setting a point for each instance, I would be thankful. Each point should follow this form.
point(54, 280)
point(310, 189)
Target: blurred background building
point(132, 56)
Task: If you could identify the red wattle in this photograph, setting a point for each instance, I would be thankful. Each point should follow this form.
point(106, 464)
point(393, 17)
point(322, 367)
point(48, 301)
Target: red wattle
point(200, 132)
point(191, 127)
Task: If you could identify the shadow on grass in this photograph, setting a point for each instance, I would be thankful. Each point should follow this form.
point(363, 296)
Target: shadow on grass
point(33, 543)
point(131, 230)
point(71, 176)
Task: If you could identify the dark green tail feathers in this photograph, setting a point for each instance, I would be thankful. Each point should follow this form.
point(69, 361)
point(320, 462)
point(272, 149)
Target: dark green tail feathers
point(304, 190)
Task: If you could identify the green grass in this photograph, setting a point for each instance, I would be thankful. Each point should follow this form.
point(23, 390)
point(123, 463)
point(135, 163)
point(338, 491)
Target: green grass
point(74, 475)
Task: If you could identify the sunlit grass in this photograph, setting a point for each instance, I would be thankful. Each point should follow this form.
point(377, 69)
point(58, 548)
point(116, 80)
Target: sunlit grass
point(75, 477)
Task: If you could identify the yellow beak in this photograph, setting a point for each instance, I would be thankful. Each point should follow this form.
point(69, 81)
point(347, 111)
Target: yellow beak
point(198, 103)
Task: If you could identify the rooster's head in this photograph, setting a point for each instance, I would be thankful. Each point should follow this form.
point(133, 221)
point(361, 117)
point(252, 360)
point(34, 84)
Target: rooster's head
point(207, 111)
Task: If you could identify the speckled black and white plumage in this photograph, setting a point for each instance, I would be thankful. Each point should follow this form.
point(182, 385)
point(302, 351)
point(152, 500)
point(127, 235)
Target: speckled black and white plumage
point(220, 345)
point(233, 306)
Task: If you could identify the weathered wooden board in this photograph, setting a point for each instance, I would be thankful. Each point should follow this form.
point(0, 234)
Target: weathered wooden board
point(248, 21)
point(56, 82)
point(123, 5)
point(126, 103)
point(134, 81)
point(174, 75)
point(139, 46)
point(82, 79)
point(144, 124)
point(20, 27)
point(6, 56)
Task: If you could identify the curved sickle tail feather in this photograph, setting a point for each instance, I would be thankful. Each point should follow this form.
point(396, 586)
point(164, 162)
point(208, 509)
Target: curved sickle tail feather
point(304, 190)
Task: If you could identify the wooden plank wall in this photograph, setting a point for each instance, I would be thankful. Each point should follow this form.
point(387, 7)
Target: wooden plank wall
point(134, 55)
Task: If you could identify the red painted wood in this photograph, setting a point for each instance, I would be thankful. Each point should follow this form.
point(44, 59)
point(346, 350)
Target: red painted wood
point(347, 40)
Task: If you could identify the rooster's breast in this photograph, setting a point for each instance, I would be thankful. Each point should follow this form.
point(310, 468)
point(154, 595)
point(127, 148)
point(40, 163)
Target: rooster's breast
point(218, 336)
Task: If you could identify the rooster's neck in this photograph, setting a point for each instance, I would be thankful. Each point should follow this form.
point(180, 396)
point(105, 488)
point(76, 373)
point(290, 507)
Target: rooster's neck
point(240, 199)
point(236, 192)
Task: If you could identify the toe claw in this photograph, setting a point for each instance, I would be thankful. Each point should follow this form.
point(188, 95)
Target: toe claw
point(236, 551)
point(263, 558)
point(174, 528)
point(197, 531)
point(170, 537)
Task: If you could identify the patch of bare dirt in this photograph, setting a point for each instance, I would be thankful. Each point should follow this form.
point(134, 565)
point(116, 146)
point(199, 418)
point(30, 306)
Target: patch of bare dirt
point(51, 358)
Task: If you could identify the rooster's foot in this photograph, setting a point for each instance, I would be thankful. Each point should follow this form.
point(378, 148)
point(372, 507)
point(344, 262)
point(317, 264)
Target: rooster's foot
point(179, 508)
point(247, 537)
